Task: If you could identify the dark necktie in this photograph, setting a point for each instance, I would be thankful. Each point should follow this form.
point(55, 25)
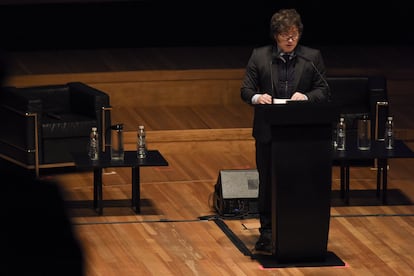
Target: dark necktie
point(286, 58)
point(284, 77)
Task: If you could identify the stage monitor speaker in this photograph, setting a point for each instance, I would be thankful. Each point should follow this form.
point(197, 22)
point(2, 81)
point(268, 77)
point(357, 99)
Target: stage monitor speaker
point(236, 192)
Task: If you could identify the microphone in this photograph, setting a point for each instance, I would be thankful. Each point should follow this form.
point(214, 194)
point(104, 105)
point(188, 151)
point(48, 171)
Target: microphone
point(317, 71)
point(271, 79)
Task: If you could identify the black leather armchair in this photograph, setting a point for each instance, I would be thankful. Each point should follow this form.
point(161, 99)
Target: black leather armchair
point(357, 96)
point(43, 125)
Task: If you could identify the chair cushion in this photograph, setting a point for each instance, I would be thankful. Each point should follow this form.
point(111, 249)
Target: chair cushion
point(60, 150)
point(66, 125)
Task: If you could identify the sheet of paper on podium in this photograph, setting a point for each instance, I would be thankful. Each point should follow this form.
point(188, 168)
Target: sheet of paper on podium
point(280, 101)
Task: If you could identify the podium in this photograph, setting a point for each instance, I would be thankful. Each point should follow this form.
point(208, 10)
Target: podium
point(301, 178)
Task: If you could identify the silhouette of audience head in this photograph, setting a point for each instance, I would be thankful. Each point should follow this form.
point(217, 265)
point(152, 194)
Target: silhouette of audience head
point(39, 235)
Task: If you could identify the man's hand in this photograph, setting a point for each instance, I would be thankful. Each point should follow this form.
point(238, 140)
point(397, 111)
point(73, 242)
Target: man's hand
point(299, 97)
point(264, 99)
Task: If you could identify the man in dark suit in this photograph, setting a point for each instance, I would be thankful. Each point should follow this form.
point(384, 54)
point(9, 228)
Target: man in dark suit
point(283, 70)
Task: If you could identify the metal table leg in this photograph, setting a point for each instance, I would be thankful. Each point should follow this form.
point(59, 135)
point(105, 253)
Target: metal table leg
point(136, 193)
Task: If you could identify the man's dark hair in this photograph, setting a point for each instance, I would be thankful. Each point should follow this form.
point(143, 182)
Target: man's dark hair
point(283, 20)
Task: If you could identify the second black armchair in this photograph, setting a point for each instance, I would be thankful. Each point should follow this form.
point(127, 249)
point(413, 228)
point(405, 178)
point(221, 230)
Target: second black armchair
point(43, 125)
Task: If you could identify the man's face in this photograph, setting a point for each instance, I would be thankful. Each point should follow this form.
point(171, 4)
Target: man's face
point(287, 41)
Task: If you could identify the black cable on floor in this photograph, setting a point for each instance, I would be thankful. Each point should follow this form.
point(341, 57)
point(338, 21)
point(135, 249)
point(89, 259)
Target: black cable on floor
point(235, 240)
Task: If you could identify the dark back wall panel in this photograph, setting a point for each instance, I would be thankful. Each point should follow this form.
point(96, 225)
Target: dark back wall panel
point(83, 24)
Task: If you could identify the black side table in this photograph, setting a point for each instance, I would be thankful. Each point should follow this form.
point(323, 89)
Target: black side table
point(154, 158)
point(377, 151)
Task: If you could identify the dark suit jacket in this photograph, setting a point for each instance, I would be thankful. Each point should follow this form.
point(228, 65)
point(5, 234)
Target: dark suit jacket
point(261, 70)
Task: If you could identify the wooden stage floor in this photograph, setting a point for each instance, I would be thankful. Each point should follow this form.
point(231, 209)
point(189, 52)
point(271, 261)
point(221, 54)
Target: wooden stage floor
point(171, 236)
